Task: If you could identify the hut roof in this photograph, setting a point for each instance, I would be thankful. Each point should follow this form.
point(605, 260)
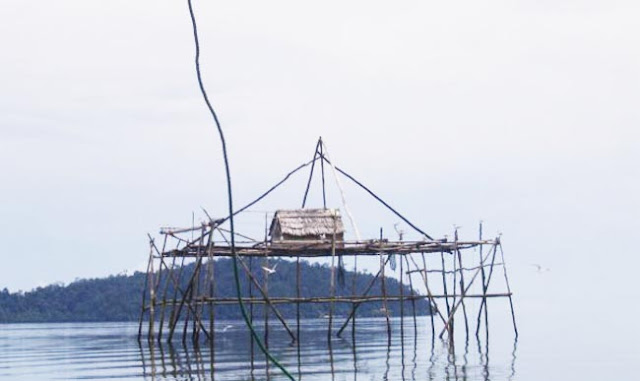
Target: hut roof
point(308, 222)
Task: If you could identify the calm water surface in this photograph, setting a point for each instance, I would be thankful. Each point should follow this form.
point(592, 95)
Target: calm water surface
point(100, 351)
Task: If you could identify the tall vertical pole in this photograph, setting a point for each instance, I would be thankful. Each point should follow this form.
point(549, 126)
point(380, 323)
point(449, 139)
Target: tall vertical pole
point(401, 300)
point(483, 304)
point(332, 283)
point(165, 290)
point(383, 286)
point(431, 300)
point(446, 295)
point(152, 293)
point(144, 295)
point(462, 287)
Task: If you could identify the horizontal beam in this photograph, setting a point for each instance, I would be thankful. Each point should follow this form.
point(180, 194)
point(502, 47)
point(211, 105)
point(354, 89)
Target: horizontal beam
point(323, 249)
point(339, 299)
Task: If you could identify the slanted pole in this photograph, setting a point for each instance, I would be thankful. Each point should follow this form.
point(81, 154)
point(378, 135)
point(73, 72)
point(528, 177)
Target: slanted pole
point(506, 279)
point(464, 292)
point(461, 269)
point(355, 305)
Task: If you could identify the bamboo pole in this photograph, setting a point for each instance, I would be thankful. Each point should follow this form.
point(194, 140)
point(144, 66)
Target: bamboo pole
point(484, 288)
point(353, 293)
point(144, 296)
point(401, 305)
point(164, 293)
point(455, 307)
point(251, 346)
point(384, 295)
point(431, 301)
point(413, 301)
point(464, 307)
point(211, 290)
point(444, 284)
point(332, 283)
point(267, 300)
point(152, 296)
point(506, 278)
point(356, 305)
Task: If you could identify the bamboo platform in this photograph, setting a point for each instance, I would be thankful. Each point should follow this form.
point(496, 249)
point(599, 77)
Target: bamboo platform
point(456, 277)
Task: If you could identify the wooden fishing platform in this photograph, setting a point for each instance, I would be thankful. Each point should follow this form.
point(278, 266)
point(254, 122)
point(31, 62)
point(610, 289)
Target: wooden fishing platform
point(455, 276)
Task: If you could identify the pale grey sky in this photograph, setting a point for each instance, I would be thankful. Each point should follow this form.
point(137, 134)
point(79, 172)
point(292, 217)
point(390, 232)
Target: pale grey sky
point(522, 114)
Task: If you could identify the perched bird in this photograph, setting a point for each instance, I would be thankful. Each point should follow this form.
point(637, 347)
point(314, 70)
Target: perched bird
point(399, 231)
point(270, 270)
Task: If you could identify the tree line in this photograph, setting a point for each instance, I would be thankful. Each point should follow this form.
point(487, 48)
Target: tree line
point(119, 297)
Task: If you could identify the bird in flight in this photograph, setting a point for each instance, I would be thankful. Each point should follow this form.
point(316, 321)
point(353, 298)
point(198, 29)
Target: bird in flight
point(540, 268)
point(270, 270)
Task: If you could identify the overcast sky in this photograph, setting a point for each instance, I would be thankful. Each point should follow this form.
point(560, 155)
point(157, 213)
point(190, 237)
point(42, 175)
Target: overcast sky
point(522, 114)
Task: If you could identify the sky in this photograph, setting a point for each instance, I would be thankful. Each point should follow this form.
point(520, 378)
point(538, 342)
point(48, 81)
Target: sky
point(521, 114)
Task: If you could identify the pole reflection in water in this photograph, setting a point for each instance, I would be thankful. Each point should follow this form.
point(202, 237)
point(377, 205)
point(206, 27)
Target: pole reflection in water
point(369, 356)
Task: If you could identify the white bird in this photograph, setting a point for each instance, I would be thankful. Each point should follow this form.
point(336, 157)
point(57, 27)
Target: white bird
point(226, 328)
point(540, 268)
point(270, 270)
point(399, 231)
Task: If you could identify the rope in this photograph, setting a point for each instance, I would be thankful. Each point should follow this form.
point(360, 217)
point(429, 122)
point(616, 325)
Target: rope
point(325, 153)
point(380, 200)
point(230, 198)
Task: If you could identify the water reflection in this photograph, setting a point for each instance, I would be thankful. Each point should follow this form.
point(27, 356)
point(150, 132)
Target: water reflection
point(410, 356)
point(110, 350)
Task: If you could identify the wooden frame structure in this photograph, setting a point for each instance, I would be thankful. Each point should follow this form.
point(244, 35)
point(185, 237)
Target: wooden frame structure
point(453, 275)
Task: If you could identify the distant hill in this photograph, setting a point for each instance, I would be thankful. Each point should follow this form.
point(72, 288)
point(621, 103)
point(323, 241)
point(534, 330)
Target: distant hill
point(118, 297)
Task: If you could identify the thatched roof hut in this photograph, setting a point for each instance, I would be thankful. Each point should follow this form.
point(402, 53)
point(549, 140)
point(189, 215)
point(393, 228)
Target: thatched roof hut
point(306, 224)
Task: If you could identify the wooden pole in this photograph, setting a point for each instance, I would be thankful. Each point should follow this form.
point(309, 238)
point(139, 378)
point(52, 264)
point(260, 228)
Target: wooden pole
point(455, 307)
point(267, 300)
point(464, 307)
point(430, 295)
point(174, 316)
point(324, 197)
point(506, 279)
point(384, 294)
point(265, 295)
point(354, 293)
point(413, 301)
point(152, 296)
point(164, 292)
point(212, 292)
point(356, 304)
point(332, 283)
point(431, 300)
point(251, 346)
point(444, 284)
point(313, 164)
point(401, 303)
point(144, 297)
point(484, 288)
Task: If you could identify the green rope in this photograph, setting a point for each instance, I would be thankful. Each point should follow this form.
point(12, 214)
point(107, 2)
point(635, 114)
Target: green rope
point(230, 198)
